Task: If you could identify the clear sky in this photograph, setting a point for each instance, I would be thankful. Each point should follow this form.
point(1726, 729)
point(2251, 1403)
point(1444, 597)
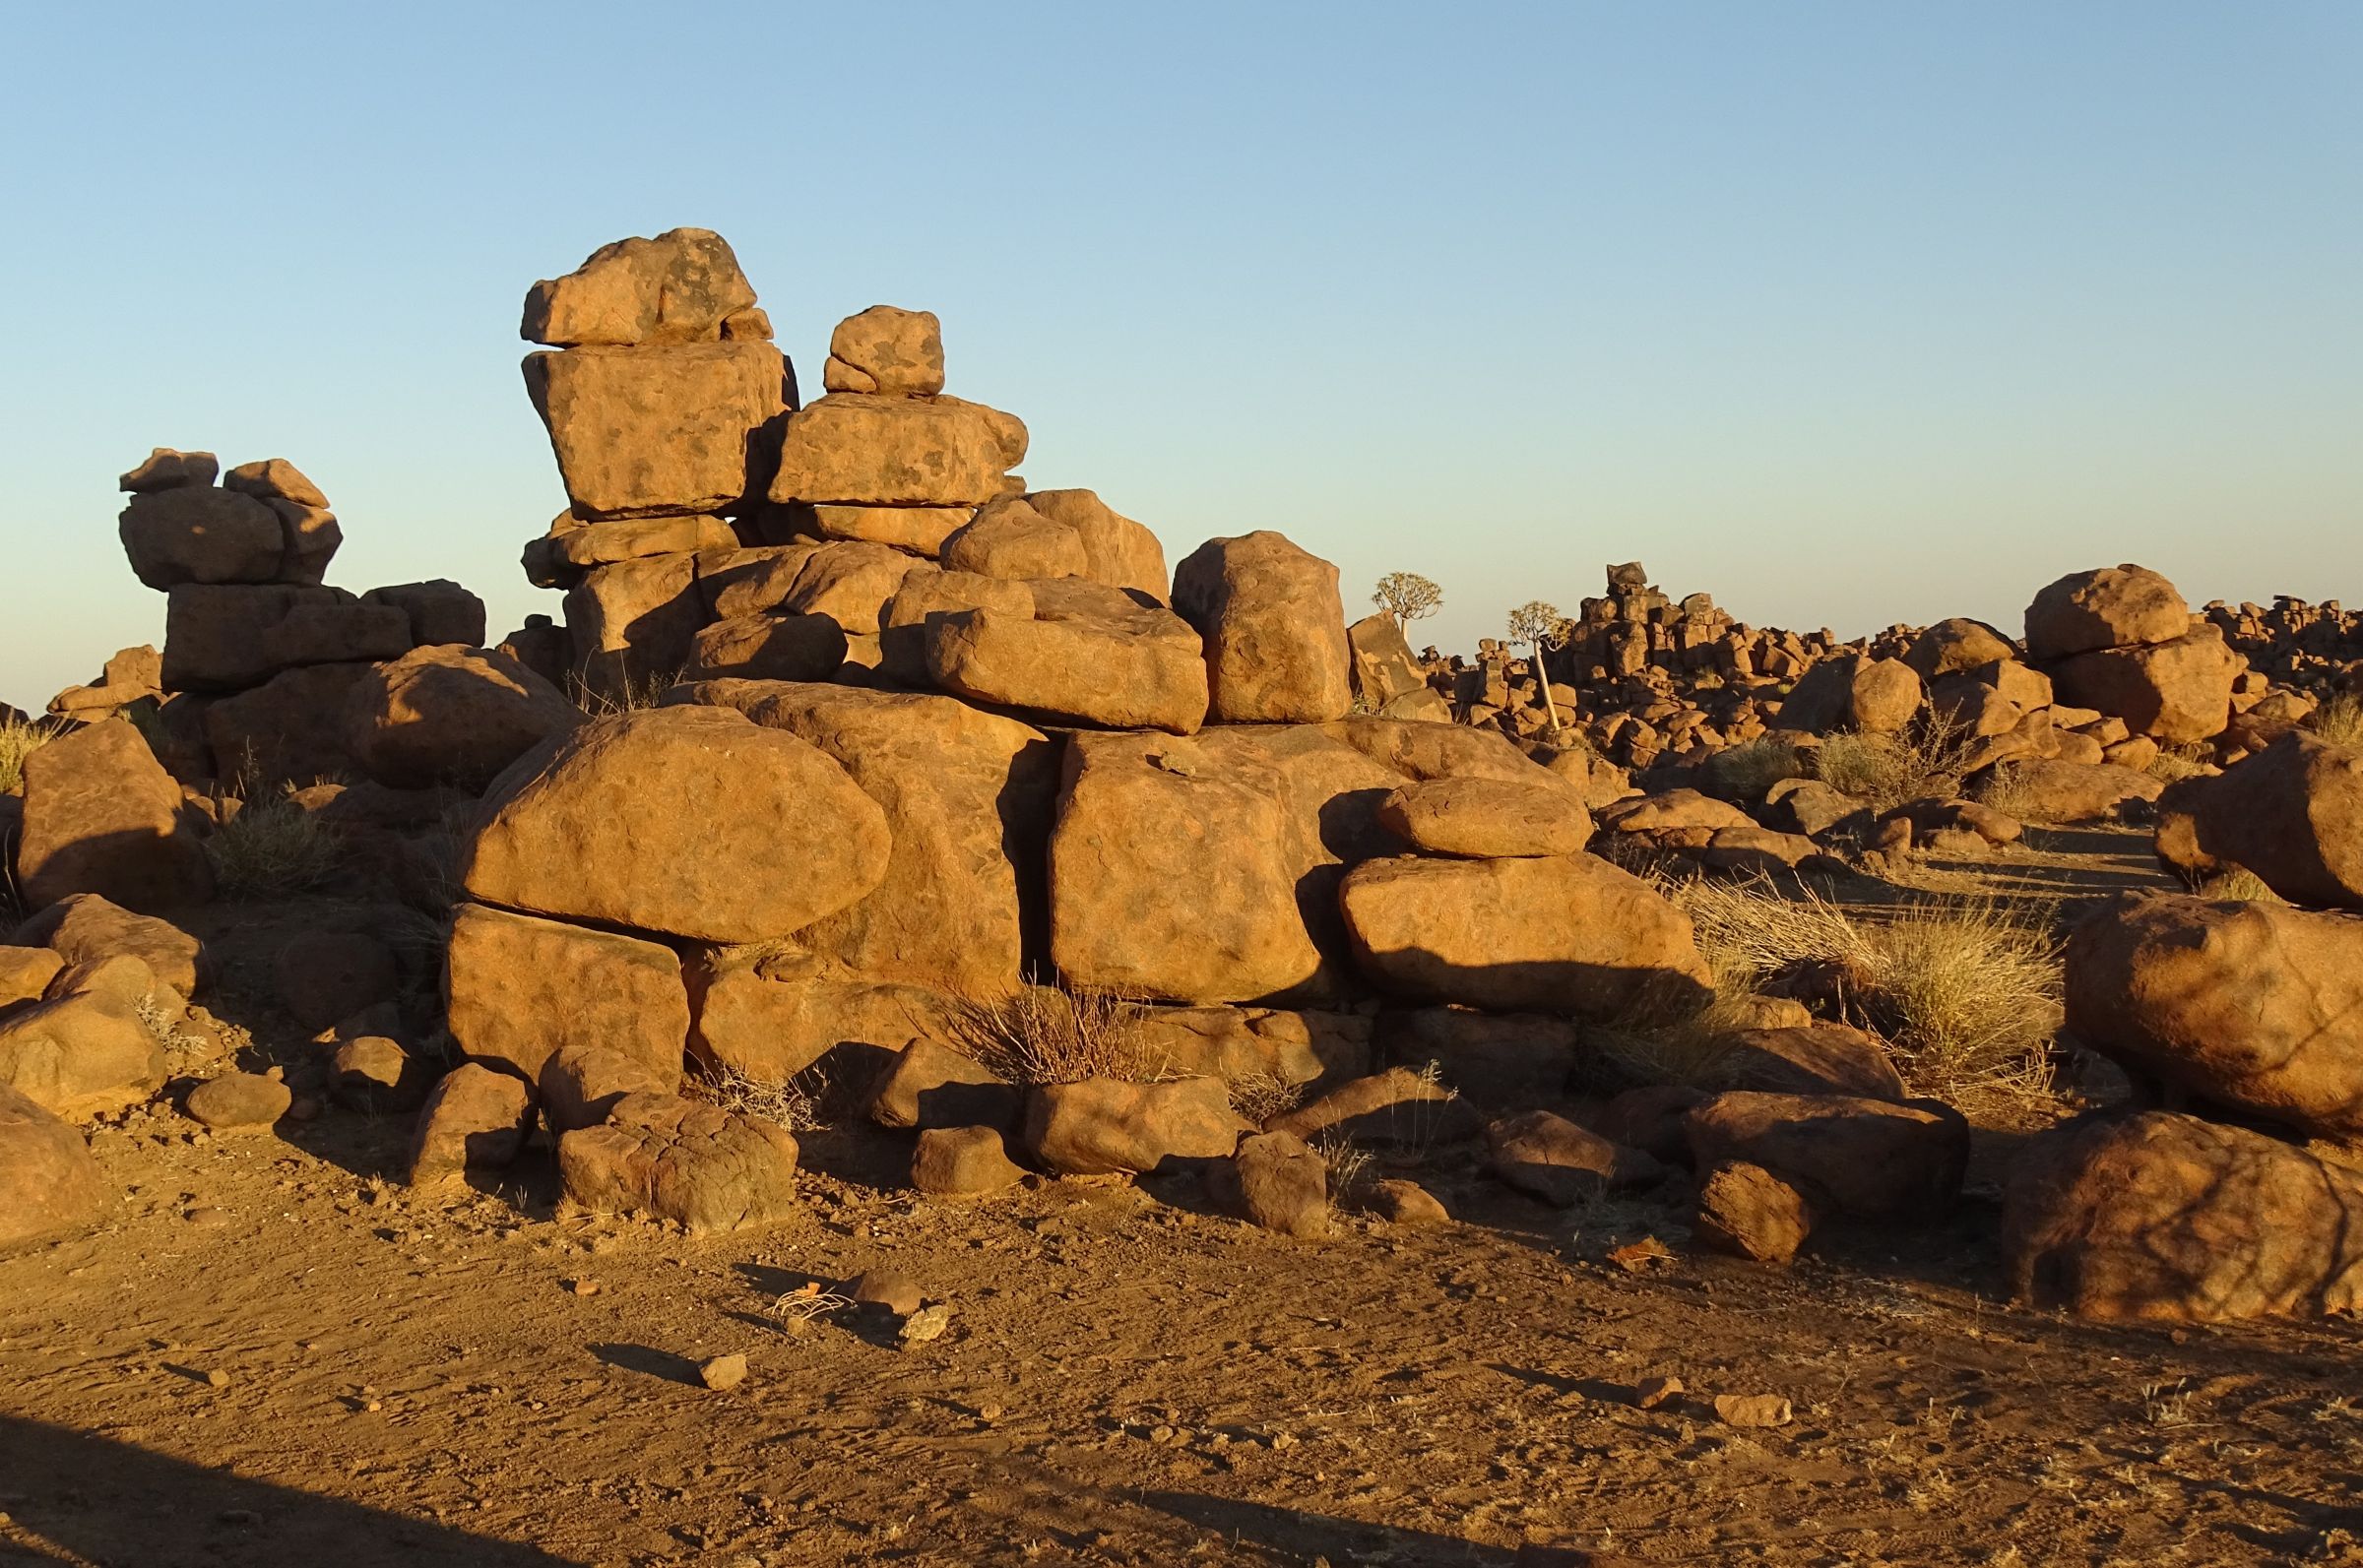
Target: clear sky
point(1848, 313)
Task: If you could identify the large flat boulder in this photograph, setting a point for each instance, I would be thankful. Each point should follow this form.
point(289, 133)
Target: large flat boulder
point(1170, 876)
point(101, 816)
point(2161, 1217)
point(874, 450)
point(2247, 1004)
point(227, 636)
point(518, 991)
point(1482, 819)
point(1864, 1159)
point(1274, 630)
point(966, 801)
point(1554, 933)
point(1102, 1126)
point(86, 928)
point(2292, 814)
point(689, 819)
point(645, 431)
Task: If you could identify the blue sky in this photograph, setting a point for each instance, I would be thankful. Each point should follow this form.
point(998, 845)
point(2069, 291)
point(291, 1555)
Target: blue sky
point(1846, 313)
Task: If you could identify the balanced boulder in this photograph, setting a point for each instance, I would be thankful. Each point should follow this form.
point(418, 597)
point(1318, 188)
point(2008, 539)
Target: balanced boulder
point(1274, 630)
point(2113, 606)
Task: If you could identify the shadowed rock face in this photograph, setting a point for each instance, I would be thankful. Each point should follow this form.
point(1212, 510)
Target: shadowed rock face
point(2292, 814)
point(2254, 1006)
point(2166, 1218)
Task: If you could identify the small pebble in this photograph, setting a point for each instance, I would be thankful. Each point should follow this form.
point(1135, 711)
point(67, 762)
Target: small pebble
point(216, 1378)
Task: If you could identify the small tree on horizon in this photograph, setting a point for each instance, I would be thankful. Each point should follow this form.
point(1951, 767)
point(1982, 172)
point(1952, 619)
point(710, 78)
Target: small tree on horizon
point(1407, 596)
point(1539, 625)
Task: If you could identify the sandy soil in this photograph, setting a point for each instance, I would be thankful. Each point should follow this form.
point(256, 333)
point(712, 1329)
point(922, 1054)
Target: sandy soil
point(270, 1355)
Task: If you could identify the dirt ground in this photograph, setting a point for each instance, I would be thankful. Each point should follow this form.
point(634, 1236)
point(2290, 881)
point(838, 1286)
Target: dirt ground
point(272, 1355)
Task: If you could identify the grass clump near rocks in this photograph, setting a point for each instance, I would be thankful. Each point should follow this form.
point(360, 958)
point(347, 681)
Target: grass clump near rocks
point(269, 847)
point(1964, 992)
point(1887, 771)
point(2339, 721)
point(18, 739)
point(799, 1104)
point(1047, 1034)
point(1745, 771)
point(2240, 885)
point(2174, 763)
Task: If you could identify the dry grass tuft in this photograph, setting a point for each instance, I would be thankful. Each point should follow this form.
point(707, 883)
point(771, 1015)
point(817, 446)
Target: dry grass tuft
point(1259, 1096)
point(272, 847)
point(2239, 884)
point(1745, 772)
point(1349, 1167)
point(18, 741)
point(1965, 992)
point(2004, 788)
point(2174, 763)
point(1045, 1034)
point(796, 1104)
point(637, 692)
point(2340, 720)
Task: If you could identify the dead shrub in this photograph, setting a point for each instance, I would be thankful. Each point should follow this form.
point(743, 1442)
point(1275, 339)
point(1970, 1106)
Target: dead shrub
point(796, 1105)
point(1047, 1034)
point(1259, 1096)
point(2006, 789)
point(2239, 884)
point(1886, 771)
point(634, 694)
point(1348, 1167)
point(269, 847)
point(1964, 992)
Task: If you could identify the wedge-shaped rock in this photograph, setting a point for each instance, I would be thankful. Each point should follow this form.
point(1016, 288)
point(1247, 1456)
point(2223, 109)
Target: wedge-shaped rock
point(2162, 1218)
point(192, 535)
point(691, 820)
point(101, 816)
point(966, 801)
point(226, 637)
point(1556, 933)
point(80, 1052)
point(1009, 538)
point(1080, 663)
point(647, 431)
point(1170, 877)
point(49, 1184)
point(2176, 692)
point(873, 450)
point(2292, 814)
point(677, 287)
point(2051, 790)
point(1274, 630)
point(441, 613)
point(769, 1017)
point(87, 930)
point(1551, 1158)
point(519, 990)
point(451, 716)
point(1383, 669)
point(476, 1119)
point(695, 1165)
point(2248, 1004)
point(634, 624)
point(768, 646)
point(1117, 550)
point(289, 729)
point(1864, 1159)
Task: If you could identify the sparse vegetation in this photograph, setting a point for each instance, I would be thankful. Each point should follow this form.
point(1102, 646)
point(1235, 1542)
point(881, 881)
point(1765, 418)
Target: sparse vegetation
point(1259, 1096)
point(1540, 626)
point(2338, 720)
point(2174, 763)
point(1348, 1164)
point(18, 739)
point(2240, 884)
point(630, 695)
point(271, 847)
point(1886, 771)
point(2006, 790)
point(1965, 992)
point(1407, 596)
point(1045, 1034)
point(1745, 772)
